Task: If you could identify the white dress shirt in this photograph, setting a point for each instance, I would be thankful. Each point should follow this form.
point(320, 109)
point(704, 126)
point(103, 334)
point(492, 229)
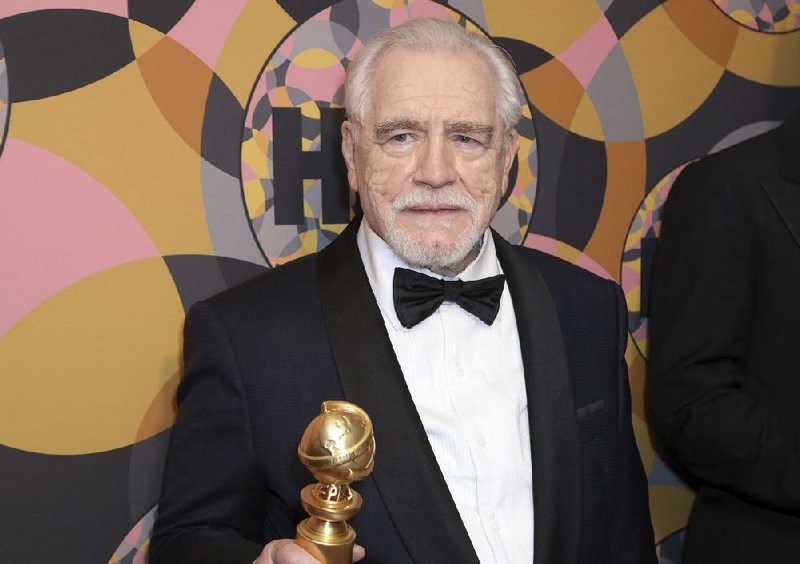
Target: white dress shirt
point(466, 379)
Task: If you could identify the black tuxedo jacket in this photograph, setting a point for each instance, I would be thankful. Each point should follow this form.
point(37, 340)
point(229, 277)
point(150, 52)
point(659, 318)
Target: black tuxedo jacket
point(261, 358)
point(724, 386)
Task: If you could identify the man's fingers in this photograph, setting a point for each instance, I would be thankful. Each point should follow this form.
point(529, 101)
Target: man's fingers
point(358, 553)
point(285, 551)
point(290, 553)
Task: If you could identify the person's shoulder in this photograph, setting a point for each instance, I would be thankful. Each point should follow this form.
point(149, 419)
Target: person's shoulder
point(273, 309)
point(726, 181)
point(562, 275)
point(582, 299)
point(281, 284)
point(755, 158)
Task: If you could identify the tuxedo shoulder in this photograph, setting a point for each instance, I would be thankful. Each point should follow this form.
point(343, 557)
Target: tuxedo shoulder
point(741, 164)
point(726, 183)
point(558, 272)
point(286, 284)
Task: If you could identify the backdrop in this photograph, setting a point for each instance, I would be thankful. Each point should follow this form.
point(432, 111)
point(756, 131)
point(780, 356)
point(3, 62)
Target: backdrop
point(154, 153)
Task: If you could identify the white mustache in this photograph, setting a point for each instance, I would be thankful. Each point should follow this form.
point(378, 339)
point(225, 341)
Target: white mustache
point(445, 197)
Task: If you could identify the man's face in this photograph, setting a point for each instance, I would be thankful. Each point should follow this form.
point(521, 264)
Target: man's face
point(431, 160)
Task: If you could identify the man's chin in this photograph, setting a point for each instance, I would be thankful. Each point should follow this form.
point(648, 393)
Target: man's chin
point(437, 249)
point(442, 225)
point(435, 255)
point(434, 237)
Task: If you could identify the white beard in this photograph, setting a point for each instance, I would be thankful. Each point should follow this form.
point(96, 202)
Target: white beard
point(433, 258)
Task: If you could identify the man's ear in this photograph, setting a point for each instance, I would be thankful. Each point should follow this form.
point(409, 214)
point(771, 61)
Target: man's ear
point(349, 152)
point(510, 150)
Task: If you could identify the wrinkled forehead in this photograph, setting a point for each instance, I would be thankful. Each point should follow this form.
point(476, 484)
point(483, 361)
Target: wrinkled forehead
point(424, 85)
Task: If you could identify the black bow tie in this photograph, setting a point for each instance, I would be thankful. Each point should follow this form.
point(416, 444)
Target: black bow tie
point(417, 296)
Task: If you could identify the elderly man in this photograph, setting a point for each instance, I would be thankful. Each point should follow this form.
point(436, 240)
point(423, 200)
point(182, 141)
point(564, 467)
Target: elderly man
point(494, 375)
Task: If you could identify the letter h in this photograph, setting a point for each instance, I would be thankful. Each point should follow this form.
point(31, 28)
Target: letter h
point(292, 165)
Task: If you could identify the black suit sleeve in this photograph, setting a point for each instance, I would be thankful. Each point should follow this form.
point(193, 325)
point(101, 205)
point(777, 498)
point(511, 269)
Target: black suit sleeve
point(631, 531)
point(704, 294)
point(212, 498)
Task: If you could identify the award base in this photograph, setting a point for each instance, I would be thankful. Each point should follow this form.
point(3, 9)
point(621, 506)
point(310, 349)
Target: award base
point(328, 548)
point(326, 534)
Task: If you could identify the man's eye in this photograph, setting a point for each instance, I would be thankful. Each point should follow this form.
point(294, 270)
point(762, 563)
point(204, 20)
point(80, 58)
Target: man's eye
point(465, 139)
point(401, 137)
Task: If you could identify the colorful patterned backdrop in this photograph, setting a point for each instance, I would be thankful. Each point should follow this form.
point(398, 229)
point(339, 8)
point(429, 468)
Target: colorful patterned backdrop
point(153, 153)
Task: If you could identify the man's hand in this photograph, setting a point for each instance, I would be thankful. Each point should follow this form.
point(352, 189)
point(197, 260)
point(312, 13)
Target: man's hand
point(287, 552)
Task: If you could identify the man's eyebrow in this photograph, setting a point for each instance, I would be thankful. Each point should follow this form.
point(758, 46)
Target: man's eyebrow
point(471, 127)
point(384, 128)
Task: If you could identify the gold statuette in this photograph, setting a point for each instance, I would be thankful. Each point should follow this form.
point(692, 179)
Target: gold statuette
point(337, 448)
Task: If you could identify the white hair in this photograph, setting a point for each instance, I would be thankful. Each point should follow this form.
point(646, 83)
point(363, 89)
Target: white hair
point(429, 34)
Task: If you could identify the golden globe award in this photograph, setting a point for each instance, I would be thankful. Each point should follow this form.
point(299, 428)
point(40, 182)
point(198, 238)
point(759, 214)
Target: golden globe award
point(338, 448)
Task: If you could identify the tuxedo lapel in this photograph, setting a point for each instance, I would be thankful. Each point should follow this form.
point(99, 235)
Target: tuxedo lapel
point(551, 413)
point(406, 472)
point(784, 191)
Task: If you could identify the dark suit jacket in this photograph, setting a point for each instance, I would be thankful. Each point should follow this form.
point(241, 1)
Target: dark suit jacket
point(724, 386)
point(260, 359)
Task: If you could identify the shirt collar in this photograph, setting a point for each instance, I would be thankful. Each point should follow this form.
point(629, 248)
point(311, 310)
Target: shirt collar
point(380, 262)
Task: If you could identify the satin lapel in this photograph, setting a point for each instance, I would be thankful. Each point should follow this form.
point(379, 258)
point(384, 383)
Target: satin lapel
point(557, 497)
point(785, 191)
point(406, 472)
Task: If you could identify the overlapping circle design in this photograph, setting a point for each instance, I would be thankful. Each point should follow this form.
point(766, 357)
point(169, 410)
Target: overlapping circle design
point(97, 273)
point(307, 72)
point(769, 16)
point(164, 163)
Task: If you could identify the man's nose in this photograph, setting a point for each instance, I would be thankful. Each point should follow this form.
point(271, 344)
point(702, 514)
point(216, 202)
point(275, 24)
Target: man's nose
point(436, 166)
